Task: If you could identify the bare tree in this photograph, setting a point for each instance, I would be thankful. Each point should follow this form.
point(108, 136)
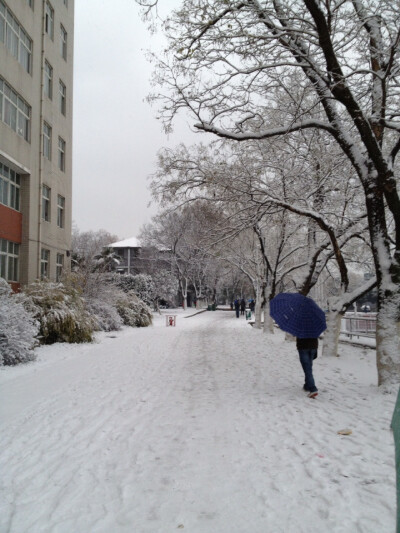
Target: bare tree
point(230, 62)
point(254, 184)
point(180, 233)
point(87, 244)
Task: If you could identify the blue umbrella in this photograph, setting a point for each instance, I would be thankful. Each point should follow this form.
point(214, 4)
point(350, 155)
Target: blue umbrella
point(298, 315)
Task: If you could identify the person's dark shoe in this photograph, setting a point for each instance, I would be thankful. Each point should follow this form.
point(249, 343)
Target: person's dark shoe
point(306, 388)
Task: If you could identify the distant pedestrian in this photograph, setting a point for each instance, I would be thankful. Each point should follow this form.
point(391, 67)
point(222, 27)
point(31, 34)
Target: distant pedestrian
point(242, 306)
point(308, 351)
point(252, 305)
point(237, 307)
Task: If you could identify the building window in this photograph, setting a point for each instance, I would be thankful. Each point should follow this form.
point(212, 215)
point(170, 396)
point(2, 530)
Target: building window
point(14, 111)
point(65, 2)
point(9, 260)
point(30, 3)
point(25, 51)
point(60, 211)
point(63, 97)
point(10, 183)
point(15, 38)
point(44, 263)
point(46, 191)
point(63, 42)
point(61, 154)
point(48, 80)
point(59, 266)
point(46, 141)
point(49, 20)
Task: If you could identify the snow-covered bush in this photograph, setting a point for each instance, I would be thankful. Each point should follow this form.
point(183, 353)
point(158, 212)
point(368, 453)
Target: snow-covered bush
point(161, 285)
point(99, 296)
point(109, 305)
point(140, 284)
point(105, 315)
point(60, 311)
point(133, 311)
point(165, 287)
point(18, 329)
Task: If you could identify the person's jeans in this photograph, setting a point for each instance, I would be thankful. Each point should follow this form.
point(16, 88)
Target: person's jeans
point(306, 359)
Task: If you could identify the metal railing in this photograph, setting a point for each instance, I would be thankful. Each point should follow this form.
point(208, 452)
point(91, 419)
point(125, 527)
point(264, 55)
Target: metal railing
point(359, 325)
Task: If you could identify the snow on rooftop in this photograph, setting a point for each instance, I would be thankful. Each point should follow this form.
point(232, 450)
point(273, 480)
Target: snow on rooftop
point(133, 242)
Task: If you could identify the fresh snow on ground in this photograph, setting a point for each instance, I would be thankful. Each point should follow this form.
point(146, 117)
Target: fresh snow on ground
point(203, 427)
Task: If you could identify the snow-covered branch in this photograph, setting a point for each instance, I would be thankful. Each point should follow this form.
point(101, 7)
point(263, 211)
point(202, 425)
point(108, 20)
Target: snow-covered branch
point(266, 134)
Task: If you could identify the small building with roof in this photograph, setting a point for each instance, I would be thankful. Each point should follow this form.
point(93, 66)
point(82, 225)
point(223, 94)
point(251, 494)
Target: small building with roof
point(129, 252)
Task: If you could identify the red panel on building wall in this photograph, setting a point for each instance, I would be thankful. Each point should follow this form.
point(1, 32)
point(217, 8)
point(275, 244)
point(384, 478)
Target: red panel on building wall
point(10, 224)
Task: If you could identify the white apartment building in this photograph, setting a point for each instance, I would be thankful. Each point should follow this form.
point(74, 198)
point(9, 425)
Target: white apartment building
point(36, 82)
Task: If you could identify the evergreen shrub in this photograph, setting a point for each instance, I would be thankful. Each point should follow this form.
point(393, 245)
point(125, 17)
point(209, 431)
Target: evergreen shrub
point(133, 311)
point(18, 329)
point(104, 314)
point(60, 311)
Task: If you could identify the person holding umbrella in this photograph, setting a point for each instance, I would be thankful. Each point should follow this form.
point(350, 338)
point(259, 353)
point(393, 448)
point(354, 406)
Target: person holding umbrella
point(308, 351)
point(302, 317)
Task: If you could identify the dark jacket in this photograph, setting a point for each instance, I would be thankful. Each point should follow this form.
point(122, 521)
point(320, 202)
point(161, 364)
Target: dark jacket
point(307, 344)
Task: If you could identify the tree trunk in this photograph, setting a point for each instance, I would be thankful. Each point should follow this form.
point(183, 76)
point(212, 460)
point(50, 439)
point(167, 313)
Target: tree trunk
point(184, 292)
point(331, 335)
point(268, 322)
point(257, 310)
point(388, 278)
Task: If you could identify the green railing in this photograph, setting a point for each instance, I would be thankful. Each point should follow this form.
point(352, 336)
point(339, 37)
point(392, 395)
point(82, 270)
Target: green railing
point(396, 436)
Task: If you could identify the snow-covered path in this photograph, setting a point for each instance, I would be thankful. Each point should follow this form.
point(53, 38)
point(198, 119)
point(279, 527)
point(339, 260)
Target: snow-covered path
point(202, 428)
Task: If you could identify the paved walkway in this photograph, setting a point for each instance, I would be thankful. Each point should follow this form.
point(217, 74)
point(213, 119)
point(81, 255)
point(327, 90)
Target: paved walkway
point(203, 428)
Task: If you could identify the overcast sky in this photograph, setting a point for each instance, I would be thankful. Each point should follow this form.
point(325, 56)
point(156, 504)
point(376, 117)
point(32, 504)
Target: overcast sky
point(116, 134)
